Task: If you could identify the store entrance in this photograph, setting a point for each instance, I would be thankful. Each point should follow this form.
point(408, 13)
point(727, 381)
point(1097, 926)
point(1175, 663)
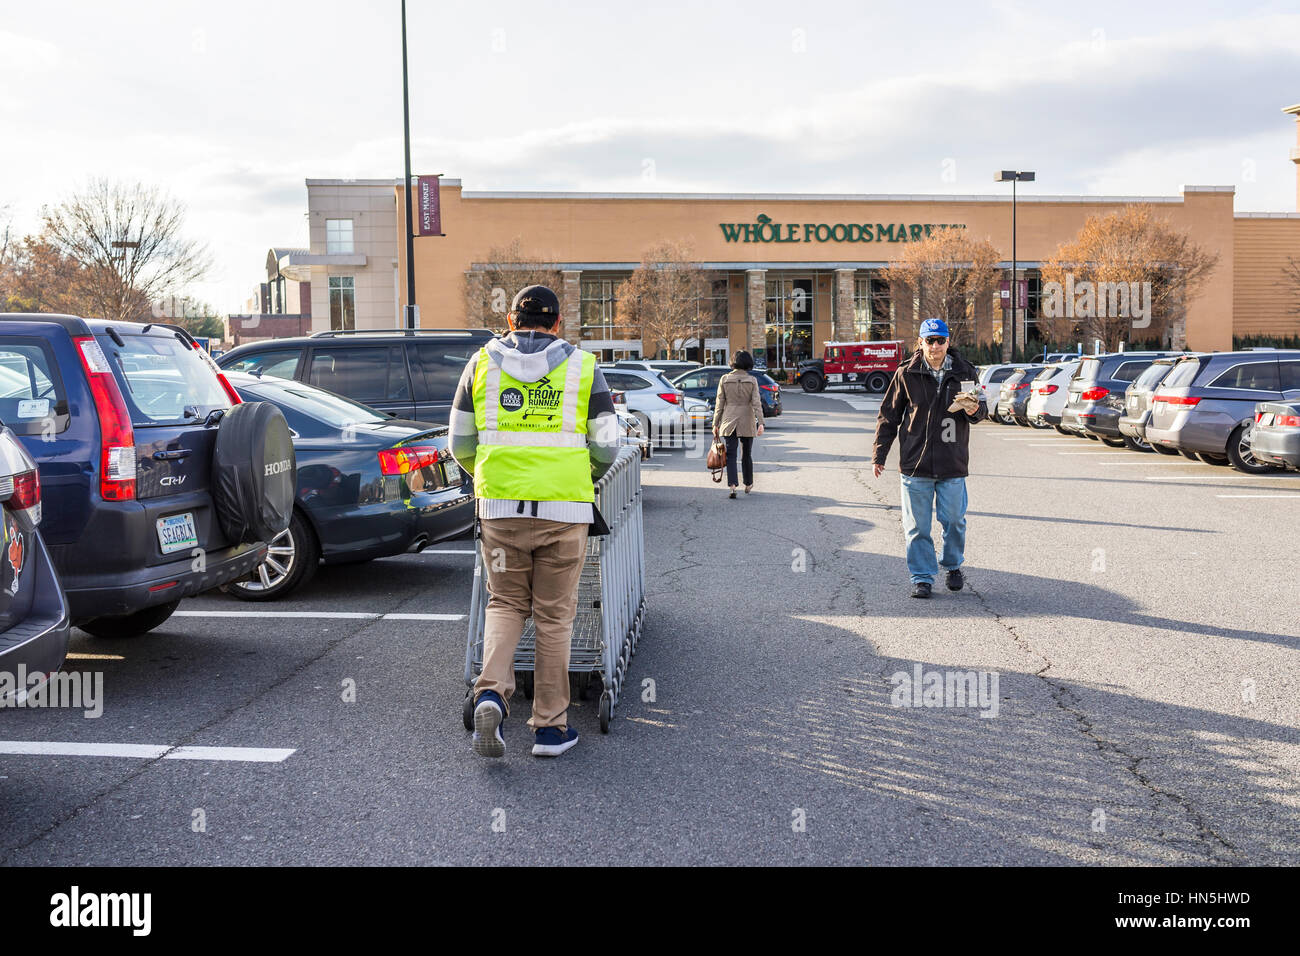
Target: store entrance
point(789, 325)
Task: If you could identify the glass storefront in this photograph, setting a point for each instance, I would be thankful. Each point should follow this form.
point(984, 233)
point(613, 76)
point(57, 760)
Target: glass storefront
point(873, 318)
point(789, 323)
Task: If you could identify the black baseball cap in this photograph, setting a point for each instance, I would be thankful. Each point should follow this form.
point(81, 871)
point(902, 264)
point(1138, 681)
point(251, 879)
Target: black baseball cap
point(537, 300)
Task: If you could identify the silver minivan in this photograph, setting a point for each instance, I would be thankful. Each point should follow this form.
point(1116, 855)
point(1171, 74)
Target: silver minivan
point(1205, 407)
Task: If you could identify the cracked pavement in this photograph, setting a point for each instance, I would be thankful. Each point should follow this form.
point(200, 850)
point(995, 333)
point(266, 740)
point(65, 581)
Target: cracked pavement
point(1124, 618)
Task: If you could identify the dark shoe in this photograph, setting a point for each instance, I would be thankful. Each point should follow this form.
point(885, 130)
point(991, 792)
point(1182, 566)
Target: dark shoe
point(955, 579)
point(553, 741)
point(748, 489)
point(733, 493)
point(489, 715)
point(921, 589)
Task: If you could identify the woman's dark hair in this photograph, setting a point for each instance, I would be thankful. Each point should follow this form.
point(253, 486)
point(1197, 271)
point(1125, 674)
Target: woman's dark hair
point(742, 360)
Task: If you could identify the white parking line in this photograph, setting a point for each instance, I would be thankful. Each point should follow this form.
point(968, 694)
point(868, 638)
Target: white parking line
point(326, 615)
point(58, 748)
point(1214, 479)
point(1107, 453)
point(1257, 496)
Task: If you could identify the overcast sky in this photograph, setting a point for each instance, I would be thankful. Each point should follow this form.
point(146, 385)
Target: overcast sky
point(231, 106)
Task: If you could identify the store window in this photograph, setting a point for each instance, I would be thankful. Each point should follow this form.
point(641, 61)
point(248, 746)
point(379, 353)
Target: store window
point(598, 308)
point(338, 236)
point(873, 318)
point(343, 303)
point(789, 327)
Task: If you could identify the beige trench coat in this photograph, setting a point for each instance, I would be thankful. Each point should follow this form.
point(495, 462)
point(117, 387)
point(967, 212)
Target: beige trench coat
point(738, 408)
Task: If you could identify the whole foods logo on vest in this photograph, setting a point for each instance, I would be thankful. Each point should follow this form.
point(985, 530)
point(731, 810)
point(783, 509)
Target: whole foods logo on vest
point(512, 399)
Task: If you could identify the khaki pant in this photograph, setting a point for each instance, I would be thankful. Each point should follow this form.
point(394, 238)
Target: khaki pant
point(533, 567)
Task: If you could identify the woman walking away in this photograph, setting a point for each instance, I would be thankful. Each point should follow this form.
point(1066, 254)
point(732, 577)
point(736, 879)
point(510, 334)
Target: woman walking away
point(738, 417)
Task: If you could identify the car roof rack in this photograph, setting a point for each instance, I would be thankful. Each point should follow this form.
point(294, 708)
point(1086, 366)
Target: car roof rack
point(332, 333)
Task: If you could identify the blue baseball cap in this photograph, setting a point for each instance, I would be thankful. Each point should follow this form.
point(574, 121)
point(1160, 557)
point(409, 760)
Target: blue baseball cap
point(934, 327)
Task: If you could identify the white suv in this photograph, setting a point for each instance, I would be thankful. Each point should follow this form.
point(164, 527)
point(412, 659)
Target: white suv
point(1048, 394)
point(653, 402)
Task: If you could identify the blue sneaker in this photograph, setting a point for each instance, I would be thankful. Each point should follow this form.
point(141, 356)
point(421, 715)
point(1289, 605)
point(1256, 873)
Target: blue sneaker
point(552, 741)
point(489, 715)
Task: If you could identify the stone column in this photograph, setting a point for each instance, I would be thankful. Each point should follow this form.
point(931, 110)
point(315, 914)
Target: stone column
point(570, 305)
point(843, 330)
point(756, 308)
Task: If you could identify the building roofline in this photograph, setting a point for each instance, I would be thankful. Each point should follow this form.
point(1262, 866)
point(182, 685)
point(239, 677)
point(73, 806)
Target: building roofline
point(828, 197)
point(395, 181)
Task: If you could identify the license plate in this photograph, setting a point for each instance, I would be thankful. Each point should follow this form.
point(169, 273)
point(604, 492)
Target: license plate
point(835, 377)
point(177, 533)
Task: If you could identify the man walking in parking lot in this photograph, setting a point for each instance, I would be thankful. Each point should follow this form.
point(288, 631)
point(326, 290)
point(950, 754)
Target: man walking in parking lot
point(534, 422)
point(933, 452)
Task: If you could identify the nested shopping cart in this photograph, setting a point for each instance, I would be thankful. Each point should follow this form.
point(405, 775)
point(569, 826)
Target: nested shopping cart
point(611, 600)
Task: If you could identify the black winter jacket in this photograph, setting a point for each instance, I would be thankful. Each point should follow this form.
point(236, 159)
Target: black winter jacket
point(917, 407)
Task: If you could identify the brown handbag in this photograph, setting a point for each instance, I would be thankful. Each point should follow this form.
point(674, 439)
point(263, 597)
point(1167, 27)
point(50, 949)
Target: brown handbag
point(716, 460)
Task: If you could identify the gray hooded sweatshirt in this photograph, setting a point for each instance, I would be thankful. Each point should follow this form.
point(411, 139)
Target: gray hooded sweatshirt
point(529, 356)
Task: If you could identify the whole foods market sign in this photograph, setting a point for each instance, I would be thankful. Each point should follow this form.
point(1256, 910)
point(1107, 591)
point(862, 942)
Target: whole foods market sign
point(763, 229)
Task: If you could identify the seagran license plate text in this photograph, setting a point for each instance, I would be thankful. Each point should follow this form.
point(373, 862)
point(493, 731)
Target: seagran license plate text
point(177, 533)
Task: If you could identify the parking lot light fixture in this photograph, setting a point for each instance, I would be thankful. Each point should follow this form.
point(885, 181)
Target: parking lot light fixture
point(1013, 176)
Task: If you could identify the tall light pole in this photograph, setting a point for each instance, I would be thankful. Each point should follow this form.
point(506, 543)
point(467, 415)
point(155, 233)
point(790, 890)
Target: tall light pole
point(410, 230)
point(1014, 176)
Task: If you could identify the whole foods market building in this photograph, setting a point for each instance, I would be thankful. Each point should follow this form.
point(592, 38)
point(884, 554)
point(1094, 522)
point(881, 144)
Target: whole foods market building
point(787, 272)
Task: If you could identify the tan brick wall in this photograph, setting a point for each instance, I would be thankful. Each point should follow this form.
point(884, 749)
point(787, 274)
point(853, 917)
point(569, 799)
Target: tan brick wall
point(591, 230)
point(1262, 300)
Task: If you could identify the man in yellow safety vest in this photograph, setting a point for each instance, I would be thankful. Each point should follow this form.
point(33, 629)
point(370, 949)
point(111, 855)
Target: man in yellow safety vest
point(534, 422)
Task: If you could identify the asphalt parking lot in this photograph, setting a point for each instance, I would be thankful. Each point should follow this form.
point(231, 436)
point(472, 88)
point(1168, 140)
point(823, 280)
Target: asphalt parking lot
point(1137, 610)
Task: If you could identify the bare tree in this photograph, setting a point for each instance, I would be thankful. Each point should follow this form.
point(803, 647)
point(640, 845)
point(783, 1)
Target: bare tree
point(1127, 275)
point(128, 243)
point(492, 284)
point(662, 297)
point(1291, 280)
point(947, 274)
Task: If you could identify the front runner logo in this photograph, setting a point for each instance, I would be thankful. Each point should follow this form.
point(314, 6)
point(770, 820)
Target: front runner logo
point(103, 909)
point(512, 399)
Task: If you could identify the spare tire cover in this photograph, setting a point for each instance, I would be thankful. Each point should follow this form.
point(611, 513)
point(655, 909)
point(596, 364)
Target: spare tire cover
point(254, 473)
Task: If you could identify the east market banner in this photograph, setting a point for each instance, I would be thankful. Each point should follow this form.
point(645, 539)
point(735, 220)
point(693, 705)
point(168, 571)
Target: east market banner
point(429, 217)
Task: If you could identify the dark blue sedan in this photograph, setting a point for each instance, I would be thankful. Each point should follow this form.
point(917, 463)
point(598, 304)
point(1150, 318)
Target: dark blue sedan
point(369, 486)
point(703, 382)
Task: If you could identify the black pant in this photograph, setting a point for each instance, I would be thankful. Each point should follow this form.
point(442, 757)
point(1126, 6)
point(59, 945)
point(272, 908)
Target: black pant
point(748, 445)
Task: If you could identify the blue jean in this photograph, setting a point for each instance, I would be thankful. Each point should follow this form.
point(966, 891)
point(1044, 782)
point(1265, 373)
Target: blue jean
point(919, 498)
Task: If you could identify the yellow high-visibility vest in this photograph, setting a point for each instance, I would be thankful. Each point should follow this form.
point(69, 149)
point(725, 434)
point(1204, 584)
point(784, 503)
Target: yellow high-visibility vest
point(532, 436)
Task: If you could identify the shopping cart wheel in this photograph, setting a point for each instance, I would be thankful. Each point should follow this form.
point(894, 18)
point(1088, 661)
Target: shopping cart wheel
point(467, 710)
point(606, 709)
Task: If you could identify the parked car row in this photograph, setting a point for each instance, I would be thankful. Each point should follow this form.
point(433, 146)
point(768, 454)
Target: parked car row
point(1238, 408)
point(132, 476)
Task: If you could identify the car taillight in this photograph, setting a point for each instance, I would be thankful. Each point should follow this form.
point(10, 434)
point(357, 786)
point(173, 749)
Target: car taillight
point(1174, 399)
point(116, 437)
point(1015, 387)
point(1047, 389)
point(670, 397)
point(618, 398)
point(770, 388)
point(22, 492)
point(403, 461)
point(1285, 421)
point(221, 376)
point(1094, 394)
